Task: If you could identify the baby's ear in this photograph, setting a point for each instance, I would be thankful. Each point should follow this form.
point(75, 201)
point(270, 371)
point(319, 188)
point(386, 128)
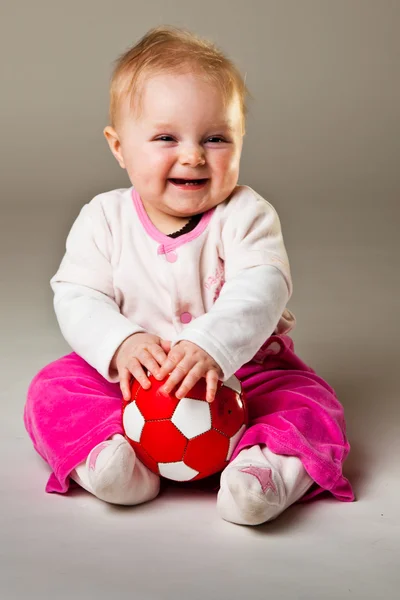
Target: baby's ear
point(115, 145)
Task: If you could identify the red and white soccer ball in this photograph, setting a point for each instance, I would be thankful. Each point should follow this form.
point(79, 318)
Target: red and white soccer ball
point(185, 439)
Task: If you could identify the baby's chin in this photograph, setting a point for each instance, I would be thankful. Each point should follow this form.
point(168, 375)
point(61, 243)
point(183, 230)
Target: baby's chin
point(185, 210)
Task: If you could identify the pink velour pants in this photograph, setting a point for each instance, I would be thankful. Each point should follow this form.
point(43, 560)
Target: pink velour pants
point(71, 408)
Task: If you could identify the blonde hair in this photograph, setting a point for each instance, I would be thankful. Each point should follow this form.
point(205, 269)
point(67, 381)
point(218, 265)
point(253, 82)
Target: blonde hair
point(167, 49)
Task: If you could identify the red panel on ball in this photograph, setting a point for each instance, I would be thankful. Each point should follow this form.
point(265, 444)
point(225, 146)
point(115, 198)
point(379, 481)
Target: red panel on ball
point(144, 457)
point(163, 441)
point(227, 411)
point(207, 452)
point(152, 403)
point(198, 391)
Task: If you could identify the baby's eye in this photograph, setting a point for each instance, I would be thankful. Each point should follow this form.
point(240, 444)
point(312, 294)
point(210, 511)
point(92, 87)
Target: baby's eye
point(216, 139)
point(165, 138)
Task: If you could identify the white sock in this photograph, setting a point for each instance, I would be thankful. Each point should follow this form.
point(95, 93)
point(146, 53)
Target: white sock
point(113, 473)
point(259, 485)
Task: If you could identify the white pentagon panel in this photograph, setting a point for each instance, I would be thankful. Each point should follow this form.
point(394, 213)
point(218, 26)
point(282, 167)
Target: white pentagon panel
point(192, 417)
point(233, 383)
point(133, 422)
point(233, 442)
point(177, 471)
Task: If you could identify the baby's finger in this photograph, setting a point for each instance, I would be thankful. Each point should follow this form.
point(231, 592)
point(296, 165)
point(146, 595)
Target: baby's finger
point(165, 345)
point(124, 383)
point(173, 359)
point(137, 371)
point(159, 354)
point(146, 359)
point(212, 385)
point(175, 377)
point(190, 381)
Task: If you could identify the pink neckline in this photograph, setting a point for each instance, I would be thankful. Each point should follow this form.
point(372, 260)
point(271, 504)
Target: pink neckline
point(167, 242)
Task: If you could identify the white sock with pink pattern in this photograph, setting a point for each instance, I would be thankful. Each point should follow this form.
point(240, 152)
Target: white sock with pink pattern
point(113, 473)
point(259, 485)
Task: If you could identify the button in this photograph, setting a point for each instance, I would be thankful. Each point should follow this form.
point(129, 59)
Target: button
point(273, 348)
point(172, 257)
point(186, 317)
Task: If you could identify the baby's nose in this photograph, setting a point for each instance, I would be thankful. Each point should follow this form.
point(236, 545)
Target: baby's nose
point(192, 157)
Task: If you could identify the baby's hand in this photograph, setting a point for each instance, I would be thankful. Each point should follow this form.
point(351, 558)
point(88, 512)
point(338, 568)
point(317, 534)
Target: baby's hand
point(189, 362)
point(137, 351)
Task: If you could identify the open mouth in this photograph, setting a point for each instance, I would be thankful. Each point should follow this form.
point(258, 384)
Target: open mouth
point(196, 183)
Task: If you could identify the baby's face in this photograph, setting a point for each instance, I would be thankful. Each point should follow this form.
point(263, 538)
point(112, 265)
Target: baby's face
point(183, 132)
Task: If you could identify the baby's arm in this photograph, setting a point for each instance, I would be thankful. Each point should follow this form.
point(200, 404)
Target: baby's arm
point(244, 316)
point(256, 290)
point(89, 317)
point(92, 324)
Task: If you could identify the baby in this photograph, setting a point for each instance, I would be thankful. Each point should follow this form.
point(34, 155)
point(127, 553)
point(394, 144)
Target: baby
point(183, 275)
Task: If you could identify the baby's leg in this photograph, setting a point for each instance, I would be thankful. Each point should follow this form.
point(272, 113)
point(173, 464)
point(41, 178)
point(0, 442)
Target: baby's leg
point(113, 473)
point(259, 485)
point(73, 416)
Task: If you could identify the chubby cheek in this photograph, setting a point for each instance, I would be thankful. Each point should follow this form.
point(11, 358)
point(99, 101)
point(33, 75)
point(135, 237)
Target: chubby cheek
point(226, 167)
point(157, 166)
point(148, 169)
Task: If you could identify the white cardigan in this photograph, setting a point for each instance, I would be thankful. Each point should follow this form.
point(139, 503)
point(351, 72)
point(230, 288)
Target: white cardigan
point(223, 286)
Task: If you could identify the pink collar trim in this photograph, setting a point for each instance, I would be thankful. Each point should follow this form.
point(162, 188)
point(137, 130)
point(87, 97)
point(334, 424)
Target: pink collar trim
point(167, 242)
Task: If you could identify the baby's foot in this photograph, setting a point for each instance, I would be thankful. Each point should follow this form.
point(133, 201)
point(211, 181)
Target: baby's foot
point(113, 473)
point(258, 486)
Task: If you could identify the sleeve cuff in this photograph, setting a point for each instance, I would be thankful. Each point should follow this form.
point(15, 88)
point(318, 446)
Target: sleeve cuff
point(109, 346)
point(210, 345)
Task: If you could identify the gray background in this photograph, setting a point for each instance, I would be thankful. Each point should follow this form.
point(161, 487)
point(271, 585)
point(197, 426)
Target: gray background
point(323, 145)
